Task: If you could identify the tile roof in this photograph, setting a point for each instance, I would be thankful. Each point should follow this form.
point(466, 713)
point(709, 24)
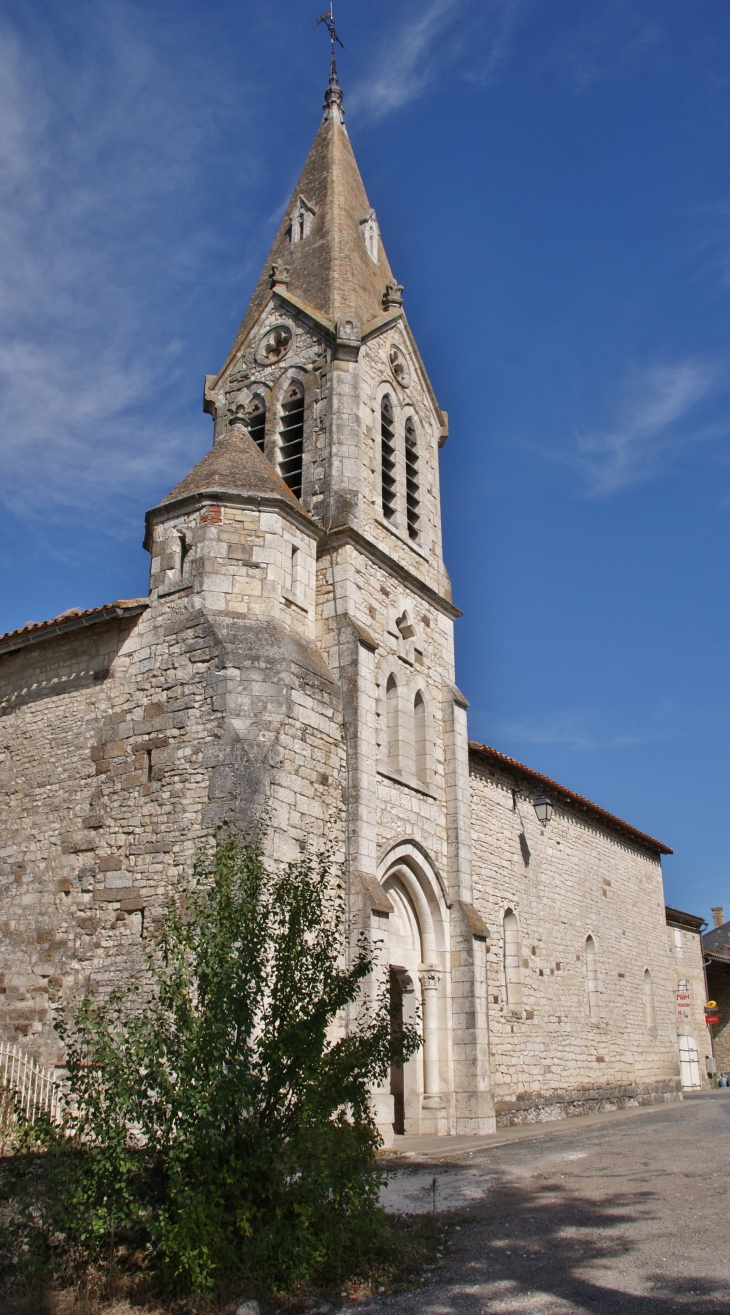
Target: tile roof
point(690, 921)
point(73, 619)
point(717, 942)
point(235, 464)
point(719, 954)
point(561, 795)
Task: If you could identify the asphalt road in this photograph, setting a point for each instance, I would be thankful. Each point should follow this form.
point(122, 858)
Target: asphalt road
point(628, 1216)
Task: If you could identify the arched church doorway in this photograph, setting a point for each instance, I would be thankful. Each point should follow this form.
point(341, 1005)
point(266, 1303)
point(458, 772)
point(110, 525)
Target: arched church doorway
point(417, 984)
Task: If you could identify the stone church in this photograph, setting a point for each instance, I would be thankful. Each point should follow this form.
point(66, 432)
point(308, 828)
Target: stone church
point(295, 651)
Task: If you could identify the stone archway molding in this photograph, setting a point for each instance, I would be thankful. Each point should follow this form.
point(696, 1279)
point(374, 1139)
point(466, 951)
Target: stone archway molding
point(402, 850)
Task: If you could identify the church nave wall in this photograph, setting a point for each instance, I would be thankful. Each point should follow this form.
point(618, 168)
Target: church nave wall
point(574, 1025)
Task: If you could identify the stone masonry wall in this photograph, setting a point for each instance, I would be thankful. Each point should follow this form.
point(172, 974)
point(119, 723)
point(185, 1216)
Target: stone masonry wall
point(121, 746)
point(565, 882)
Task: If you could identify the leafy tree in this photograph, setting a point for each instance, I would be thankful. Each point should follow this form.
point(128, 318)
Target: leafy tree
point(220, 1114)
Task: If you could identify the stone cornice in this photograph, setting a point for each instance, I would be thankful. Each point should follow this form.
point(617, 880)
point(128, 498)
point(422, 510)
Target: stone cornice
point(228, 497)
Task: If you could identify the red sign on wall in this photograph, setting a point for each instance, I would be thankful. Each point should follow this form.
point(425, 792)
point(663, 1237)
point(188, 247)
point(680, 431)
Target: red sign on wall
point(683, 1005)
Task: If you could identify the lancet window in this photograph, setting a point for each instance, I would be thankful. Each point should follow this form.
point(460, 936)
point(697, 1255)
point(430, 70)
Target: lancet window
point(412, 498)
point(512, 970)
point(256, 421)
point(387, 457)
point(592, 980)
point(291, 438)
point(300, 221)
point(649, 1005)
point(421, 737)
point(392, 723)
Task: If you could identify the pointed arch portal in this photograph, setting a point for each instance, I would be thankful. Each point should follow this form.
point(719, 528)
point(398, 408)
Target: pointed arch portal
point(416, 945)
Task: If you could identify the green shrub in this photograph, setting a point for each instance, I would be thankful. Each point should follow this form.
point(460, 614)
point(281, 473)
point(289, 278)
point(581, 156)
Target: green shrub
point(219, 1113)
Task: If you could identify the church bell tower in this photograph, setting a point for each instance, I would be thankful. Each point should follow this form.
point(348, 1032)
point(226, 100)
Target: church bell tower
point(324, 416)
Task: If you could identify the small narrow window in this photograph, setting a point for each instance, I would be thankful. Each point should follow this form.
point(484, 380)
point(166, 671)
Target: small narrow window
point(387, 457)
point(184, 550)
point(592, 982)
point(649, 1005)
point(392, 720)
point(256, 421)
point(419, 728)
point(292, 438)
point(512, 970)
point(148, 765)
point(678, 939)
point(412, 499)
point(294, 570)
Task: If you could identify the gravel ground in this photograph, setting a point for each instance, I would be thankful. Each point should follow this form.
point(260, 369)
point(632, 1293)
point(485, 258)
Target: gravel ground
point(630, 1215)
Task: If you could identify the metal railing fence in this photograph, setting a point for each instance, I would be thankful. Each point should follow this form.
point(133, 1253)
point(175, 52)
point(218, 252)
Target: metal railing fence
point(26, 1086)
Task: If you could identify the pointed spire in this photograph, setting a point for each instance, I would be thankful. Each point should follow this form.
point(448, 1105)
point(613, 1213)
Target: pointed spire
point(333, 96)
point(328, 253)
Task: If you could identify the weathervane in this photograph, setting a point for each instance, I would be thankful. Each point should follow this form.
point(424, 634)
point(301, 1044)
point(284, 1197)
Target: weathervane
point(329, 22)
point(333, 95)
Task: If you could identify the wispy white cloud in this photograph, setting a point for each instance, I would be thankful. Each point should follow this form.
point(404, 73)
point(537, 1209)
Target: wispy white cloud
point(477, 35)
point(100, 150)
point(657, 416)
point(576, 730)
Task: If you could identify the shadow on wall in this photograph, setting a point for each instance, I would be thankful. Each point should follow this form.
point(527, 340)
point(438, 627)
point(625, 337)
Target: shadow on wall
point(531, 1243)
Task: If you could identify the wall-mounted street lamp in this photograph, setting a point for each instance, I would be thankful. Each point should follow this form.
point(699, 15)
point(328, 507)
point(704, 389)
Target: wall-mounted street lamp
point(543, 808)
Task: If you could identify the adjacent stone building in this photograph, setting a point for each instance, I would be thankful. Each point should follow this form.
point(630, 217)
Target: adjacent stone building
point(693, 1035)
point(295, 651)
point(716, 948)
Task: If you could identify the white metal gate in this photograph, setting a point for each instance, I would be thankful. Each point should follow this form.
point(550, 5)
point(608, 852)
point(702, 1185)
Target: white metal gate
point(27, 1086)
point(689, 1063)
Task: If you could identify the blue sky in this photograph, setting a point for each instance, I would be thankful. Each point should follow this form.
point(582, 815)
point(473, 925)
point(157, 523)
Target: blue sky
point(551, 182)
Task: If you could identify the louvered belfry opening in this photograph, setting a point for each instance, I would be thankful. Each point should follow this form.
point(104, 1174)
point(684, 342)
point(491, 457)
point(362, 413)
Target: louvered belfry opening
point(256, 421)
point(387, 457)
point(412, 499)
point(291, 437)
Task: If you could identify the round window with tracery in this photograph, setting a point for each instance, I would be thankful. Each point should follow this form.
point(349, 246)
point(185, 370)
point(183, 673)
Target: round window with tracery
point(398, 367)
point(274, 345)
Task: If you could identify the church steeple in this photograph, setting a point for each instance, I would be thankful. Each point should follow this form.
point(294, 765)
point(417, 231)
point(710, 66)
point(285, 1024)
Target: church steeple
point(325, 375)
point(328, 240)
